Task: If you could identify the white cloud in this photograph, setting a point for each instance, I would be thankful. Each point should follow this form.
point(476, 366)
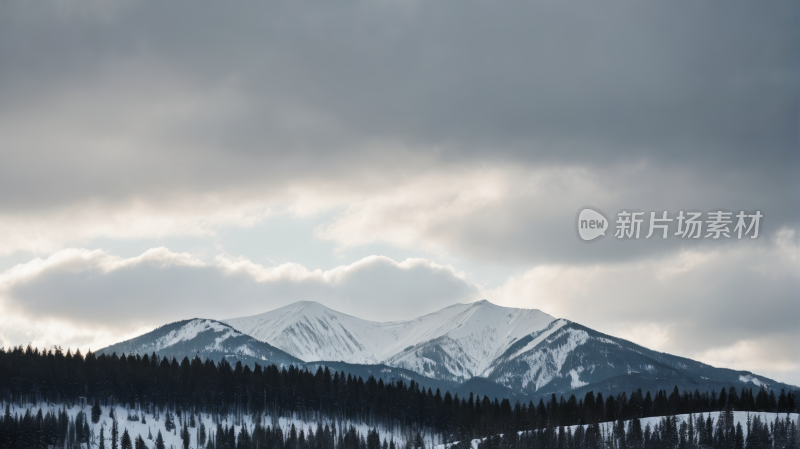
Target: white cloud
point(84, 297)
point(297, 273)
point(79, 260)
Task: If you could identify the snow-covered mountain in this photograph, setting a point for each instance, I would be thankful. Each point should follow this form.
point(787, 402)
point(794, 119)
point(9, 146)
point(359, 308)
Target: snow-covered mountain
point(478, 347)
point(455, 343)
point(525, 350)
point(205, 338)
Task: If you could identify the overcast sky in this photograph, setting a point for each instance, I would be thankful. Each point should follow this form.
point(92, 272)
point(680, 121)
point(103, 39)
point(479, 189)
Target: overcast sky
point(169, 160)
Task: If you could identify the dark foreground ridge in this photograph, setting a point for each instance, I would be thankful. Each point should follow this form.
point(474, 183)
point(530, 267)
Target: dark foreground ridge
point(58, 429)
point(222, 389)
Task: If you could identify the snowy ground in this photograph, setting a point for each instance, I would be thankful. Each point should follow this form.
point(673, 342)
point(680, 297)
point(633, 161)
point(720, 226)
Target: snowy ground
point(171, 438)
point(740, 417)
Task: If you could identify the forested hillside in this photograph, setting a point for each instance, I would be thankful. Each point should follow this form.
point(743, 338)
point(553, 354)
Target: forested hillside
point(165, 387)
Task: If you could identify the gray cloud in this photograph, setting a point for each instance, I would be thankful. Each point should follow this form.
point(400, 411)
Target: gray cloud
point(335, 90)
point(462, 128)
point(664, 105)
point(528, 217)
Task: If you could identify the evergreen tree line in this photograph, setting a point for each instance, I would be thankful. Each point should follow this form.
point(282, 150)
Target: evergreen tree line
point(696, 432)
point(158, 385)
point(57, 429)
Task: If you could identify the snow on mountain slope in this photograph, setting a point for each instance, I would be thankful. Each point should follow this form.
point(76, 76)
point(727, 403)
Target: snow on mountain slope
point(523, 351)
point(455, 343)
point(202, 337)
point(543, 358)
point(481, 331)
point(473, 338)
point(192, 329)
point(311, 332)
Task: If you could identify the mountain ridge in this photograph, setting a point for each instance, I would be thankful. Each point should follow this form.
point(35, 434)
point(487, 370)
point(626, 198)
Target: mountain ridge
point(205, 338)
point(475, 334)
point(523, 353)
point(524, 350)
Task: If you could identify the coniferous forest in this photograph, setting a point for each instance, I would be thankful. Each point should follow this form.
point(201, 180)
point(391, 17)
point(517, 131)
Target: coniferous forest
point(179, 392)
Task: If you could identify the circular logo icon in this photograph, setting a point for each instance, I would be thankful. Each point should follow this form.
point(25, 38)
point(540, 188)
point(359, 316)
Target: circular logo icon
point(591, 224)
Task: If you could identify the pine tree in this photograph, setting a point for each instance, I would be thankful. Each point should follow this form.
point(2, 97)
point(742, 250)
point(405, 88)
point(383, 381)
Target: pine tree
point(419, 442)
point(739, 439)
point(373, 439)
point(5, 428)
point(126, 440)
point(169, 425)
point(77, 437)
point(160, 441)
point(96, 412)
point(139, 444)
point(102, 444)
point(185, 436)
point(86, 432)
point(71, 432)
point(794, 434)
point(782, 402)
point(149, 434)
point(114, 435)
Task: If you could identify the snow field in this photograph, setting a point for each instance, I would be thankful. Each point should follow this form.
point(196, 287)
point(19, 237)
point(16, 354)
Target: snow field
point(136, 428)
point(740, 417)
point(172, 438)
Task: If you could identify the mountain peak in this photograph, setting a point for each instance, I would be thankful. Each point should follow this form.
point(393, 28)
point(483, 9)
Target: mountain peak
point(306, 306)
point(293, 309)
point(477, 332)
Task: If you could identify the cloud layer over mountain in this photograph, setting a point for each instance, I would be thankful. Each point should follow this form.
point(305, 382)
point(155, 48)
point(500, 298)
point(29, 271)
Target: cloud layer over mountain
point(163, 161)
